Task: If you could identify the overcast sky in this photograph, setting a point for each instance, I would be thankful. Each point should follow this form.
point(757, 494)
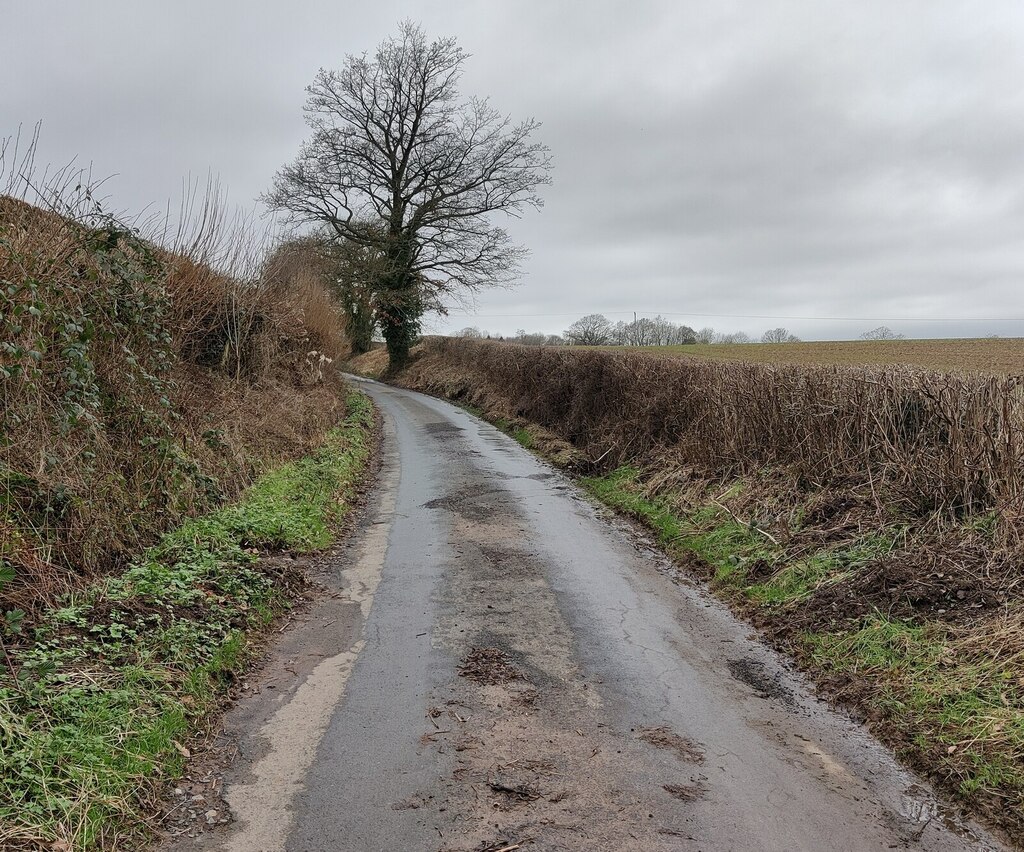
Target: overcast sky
point(826, 166)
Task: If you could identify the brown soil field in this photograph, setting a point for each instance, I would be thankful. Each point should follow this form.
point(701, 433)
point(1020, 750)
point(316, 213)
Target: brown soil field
point(1001, 356)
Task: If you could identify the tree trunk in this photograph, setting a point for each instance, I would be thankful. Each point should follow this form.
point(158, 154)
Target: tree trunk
point(399, 341)
point(400, 317)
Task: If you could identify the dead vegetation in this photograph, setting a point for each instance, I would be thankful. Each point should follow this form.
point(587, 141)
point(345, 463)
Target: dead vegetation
point(489, 666)
point(684, 792)
point(141, 384)
point(665, 738)
point(931, 442)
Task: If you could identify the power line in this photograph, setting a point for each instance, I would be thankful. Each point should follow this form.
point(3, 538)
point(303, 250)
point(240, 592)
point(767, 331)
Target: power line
point(748, 316)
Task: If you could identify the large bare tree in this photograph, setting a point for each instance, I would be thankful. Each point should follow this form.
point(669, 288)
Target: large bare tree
point(779, 335)
point(400, 164)
point(591, 330)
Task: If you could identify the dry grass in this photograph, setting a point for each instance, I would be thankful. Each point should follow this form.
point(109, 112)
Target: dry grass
point(373, 363)
point(997, 356)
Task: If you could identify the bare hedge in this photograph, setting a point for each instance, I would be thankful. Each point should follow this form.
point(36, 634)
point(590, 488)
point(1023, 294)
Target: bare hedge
point(945, 442)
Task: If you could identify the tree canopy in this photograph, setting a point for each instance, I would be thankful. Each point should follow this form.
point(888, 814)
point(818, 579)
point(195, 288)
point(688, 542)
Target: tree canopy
point(401, 165)
point(779, 335)
point(883, 332)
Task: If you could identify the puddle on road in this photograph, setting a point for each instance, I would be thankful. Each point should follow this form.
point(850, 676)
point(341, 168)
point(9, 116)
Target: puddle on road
point(442, 427)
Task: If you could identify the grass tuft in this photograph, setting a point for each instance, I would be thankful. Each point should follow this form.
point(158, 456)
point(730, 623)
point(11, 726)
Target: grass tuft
point(619, 489)
point(798, 579)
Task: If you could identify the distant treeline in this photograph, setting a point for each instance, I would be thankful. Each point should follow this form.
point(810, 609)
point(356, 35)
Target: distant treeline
point(598, 330)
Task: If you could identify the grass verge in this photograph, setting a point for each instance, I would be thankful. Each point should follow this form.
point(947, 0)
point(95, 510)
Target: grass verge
point(960, 701)
point(947, 695)
point(99, 696)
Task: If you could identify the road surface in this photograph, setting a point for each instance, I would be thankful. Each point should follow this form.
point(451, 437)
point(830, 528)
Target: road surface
point(505, 667)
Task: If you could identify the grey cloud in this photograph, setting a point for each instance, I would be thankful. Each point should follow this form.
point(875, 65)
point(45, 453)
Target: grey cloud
point(731, 158)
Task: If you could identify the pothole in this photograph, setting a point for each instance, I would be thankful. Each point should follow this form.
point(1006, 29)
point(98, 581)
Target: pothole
point(755, 674)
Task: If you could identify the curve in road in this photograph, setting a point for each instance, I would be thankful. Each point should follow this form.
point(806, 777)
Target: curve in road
point(519, 671)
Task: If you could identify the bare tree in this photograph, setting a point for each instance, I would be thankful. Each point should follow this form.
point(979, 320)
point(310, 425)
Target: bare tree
point(883, 332)
point(705, 335)
point(591, 330)
point(536, 338)
point(398, 163)
point(779, 335)
point(735, 337)
point(642, 332)
point(650, 332)
point(681, 335)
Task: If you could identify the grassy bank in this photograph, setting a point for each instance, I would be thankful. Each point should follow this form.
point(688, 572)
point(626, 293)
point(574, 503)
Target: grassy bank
point(143, 384)
point(852, 516)
point(99, 696)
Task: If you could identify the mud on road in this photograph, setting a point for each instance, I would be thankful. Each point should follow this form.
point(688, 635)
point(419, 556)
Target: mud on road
point(505, 668)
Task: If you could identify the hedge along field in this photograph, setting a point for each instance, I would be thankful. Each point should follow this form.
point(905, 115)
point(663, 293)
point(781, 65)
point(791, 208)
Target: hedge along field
point(867, 519)
point(938, 442)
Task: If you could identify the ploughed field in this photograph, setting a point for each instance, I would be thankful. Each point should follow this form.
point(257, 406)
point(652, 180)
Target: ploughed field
point(1002, 356)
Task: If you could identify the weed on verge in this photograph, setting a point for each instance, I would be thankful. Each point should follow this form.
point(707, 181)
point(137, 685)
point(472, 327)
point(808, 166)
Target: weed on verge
point(100, 694)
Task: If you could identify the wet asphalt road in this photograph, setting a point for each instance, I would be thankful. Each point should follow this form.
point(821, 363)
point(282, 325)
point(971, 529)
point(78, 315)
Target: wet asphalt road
point(521, 669)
